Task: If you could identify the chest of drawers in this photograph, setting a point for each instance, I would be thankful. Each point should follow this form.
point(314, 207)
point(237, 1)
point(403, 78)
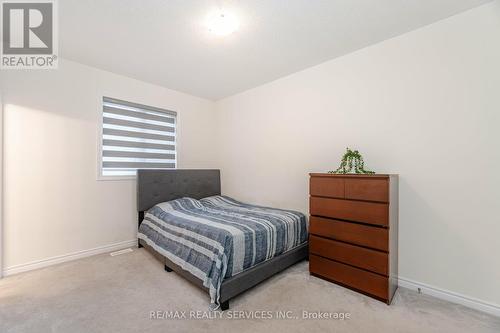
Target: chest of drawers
point(353, 232)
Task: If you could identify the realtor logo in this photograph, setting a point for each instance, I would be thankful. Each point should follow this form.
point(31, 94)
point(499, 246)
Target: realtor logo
point(29, 35)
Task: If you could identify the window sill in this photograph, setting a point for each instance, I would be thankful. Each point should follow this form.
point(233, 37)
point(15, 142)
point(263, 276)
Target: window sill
point(112, 178)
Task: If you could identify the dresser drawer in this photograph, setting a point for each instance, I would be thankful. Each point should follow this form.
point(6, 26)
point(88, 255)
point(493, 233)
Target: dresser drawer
point(367, 189)
point(371, 260)
point(327, 187)
point(359, 279)
point(358, 211)
point(377, 238)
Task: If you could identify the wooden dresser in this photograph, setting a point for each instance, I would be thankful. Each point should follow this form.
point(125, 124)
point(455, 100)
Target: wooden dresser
point(353, 232)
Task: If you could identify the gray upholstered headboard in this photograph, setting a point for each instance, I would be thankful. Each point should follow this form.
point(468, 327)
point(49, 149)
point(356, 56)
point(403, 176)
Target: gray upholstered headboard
point(156, 186)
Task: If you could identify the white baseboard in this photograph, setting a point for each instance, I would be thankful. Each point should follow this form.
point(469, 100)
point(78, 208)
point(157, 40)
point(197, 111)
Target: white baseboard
point(68, 257)
point(426, 289)
point(450, 296)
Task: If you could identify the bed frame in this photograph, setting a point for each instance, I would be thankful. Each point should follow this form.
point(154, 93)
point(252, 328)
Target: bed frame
point(156, 186)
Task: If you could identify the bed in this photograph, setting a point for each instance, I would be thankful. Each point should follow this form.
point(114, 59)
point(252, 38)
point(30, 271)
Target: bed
point(219, 244)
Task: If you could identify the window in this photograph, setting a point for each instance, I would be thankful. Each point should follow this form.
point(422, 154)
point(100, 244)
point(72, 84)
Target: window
point(136, 136)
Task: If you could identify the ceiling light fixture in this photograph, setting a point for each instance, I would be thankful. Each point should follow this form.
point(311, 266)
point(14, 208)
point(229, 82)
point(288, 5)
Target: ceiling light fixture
point(222, 23)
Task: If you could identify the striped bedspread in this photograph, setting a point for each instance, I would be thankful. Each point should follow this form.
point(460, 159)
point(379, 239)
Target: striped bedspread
point(218, 237)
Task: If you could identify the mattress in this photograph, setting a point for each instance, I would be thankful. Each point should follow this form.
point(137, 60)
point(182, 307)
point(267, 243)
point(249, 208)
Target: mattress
point(218, 237)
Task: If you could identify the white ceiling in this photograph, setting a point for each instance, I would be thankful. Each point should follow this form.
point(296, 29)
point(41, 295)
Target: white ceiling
point(164, 41)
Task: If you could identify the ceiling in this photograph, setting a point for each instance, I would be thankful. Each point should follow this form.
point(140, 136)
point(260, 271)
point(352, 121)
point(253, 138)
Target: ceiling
point(165, 42)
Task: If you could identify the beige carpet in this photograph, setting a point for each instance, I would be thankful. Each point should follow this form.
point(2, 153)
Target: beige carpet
point(117, 294)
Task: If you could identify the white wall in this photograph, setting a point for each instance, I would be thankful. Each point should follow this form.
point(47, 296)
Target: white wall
point(425, 105)
point(1, 185)
point(53, 203)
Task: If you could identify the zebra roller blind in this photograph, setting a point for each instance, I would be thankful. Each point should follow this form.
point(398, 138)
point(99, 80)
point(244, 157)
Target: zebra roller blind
point(136, 136)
